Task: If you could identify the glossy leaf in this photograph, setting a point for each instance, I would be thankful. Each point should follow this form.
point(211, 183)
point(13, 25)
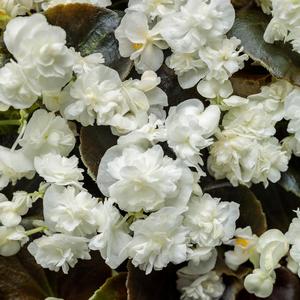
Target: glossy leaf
point(158, 285)
point(94, 141)
point(90, 29)
point(22, 279)
point(279, 58)
point(113, 289)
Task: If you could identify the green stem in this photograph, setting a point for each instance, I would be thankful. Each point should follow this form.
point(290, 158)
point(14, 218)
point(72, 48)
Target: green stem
point(10, 122)
point(35, 230)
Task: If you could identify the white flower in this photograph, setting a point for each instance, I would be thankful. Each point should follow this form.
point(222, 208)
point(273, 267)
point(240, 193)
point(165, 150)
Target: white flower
point(113, 234)
point(189, 128)
point(260, 283)
point(158, 240)
point(222, 59)
point(241, 158)
point(244, 248)
point(189, 68)
point(294, 261)
point(68, 211)
point(210, 222)
point(250, 118)
point(273, 98)
point(85, 64)
point(94, 95)
point(154, 8)
point(294, 229)
point(228, 103)
point(41, 47)
point(292, 110)
point(11, 211)
point(196, 24)
point(52, 99)
point(272, 246)
point(18, 87)
point(16, 7)
point(140, 97)
point(59, 251)
point(139, 42)
point(51, 3)
point(207, 287)
point(57, 169)
point(14, 165)
point(46, 133)
point(11, 240)
point(143, 179)
point(214, 88)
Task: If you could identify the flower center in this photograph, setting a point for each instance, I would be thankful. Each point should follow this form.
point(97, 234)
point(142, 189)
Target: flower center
point(137, 46)
point(242, 242)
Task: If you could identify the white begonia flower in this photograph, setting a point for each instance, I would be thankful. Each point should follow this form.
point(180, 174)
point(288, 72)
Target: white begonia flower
point(51, 3)
point(241, 158)
point(228, 103)
point(292, 110)
point(140, 96)
point(244, 248)
point(208, 286)
point(154, 8)
point(214, 88)
point(18, 87)
point(40, 47)
point(140, 179)
point(57, 169)
point(59, 251)
point(210, 222)
point(222, 59)
point(189, 129)
point(14, 165)
point(16, 7)
point(45, 133)
point(94, 95)
point(189, 68)
point(68, 211)
point(142, 44)
point(260, 283)
point(151, 133)
point(272, 246)
point(158, 240)
point(197, 23)
point(86, 63)
point(11, 240)
point(291, 145)
point(201, 261)
point(273, 98)
point(250, 119)
point(113, 235)
point(294, 229)
point(52, 100)
point(285, 23)
point(11, 211)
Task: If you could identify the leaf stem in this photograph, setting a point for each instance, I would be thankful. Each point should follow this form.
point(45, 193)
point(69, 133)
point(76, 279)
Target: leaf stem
point(10, 122)
point(35, 230)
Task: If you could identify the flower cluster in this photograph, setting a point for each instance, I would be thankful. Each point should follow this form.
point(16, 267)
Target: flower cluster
point(246, 150)
point(285, 23)
point(195, 30)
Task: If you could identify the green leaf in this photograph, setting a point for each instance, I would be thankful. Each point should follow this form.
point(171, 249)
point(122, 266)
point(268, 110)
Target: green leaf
point(251, 211)
point(90, 29)
point(158, 285)
point(22, 279)
point(113, 289)
point(290, 181)
point(94, 141)
point(279, 58)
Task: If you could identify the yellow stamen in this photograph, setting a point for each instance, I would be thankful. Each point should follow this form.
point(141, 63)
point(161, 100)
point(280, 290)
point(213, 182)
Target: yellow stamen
point(137, 46)
point(242, 242)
